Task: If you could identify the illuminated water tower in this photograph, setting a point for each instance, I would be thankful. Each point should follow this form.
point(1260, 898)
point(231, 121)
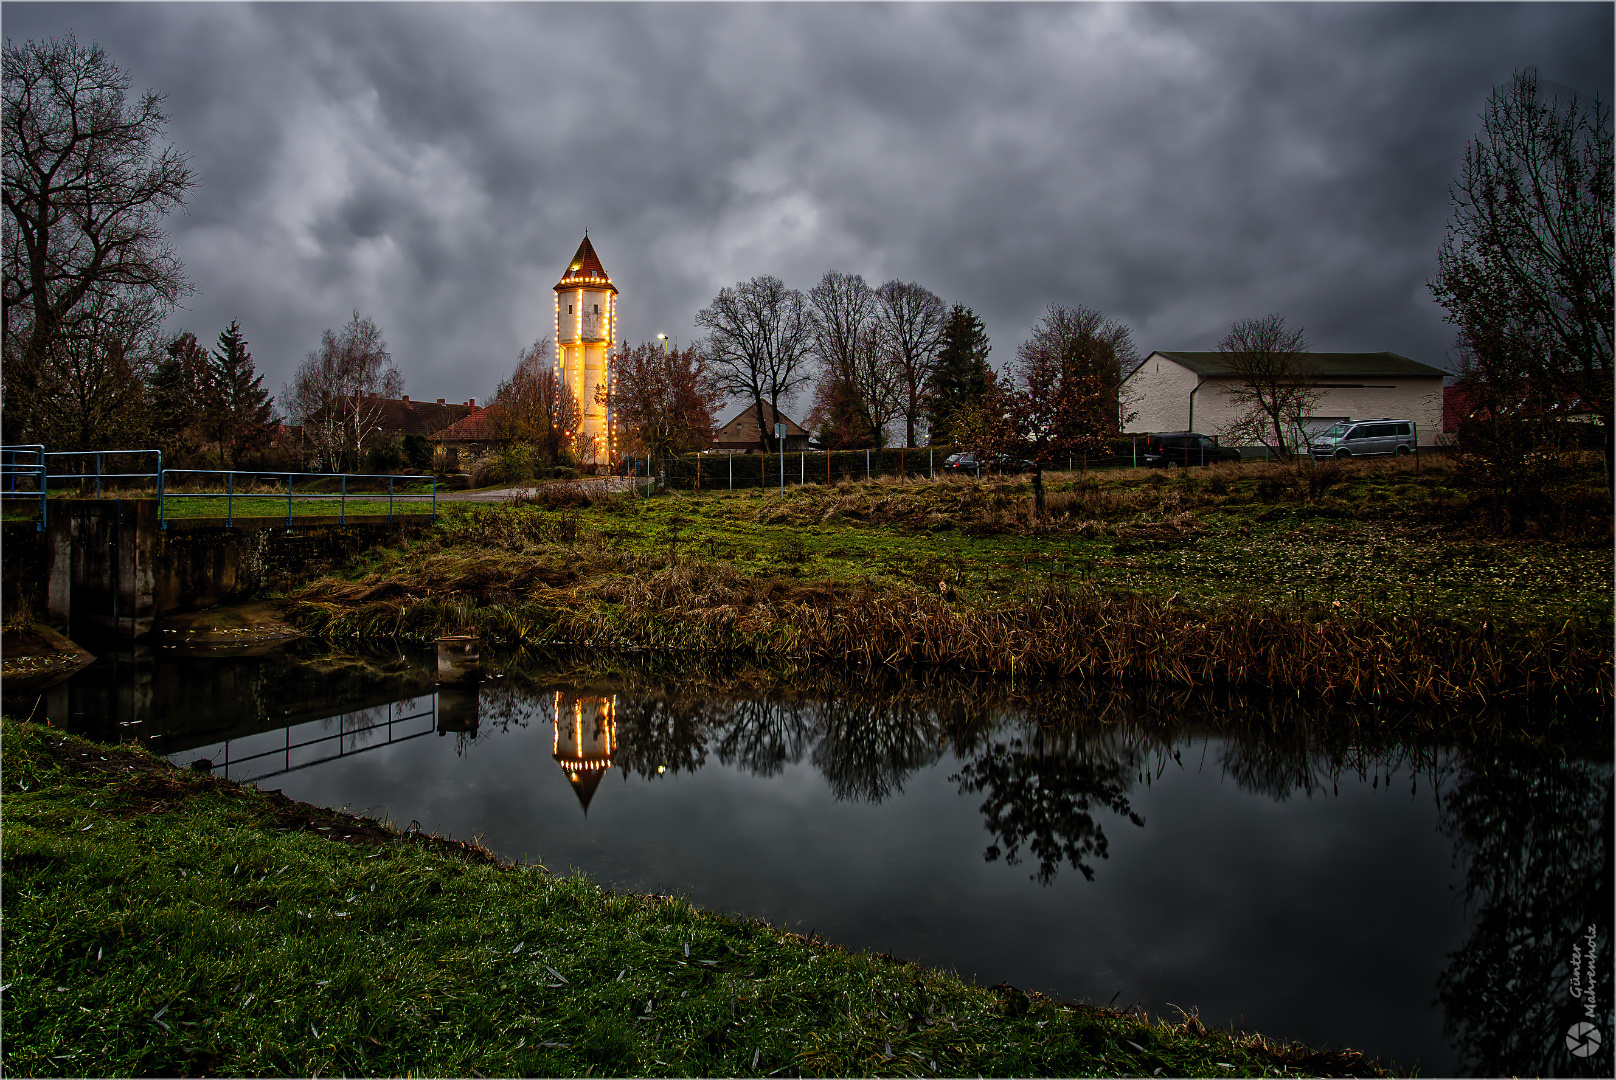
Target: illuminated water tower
point(585, 740)
point(585, 327)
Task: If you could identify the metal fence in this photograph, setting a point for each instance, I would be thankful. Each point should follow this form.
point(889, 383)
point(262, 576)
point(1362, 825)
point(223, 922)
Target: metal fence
point(309, 481)
point(24, 463)
point(26, 472)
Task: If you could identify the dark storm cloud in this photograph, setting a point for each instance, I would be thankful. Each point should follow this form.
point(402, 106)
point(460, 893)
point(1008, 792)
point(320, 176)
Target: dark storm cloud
point(1178, 166)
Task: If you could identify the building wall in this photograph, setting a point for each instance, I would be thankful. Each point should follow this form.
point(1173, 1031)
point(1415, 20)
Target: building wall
point(1416, 398)
point(1159, 394)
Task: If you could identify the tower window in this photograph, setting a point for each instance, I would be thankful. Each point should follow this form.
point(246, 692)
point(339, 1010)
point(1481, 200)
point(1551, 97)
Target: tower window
point(597, 309)
point(569, 309)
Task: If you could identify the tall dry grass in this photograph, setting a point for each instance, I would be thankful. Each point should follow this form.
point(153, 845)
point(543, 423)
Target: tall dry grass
point(702, 607)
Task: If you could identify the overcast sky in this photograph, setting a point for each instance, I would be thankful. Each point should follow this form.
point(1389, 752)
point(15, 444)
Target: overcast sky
point(434, 166)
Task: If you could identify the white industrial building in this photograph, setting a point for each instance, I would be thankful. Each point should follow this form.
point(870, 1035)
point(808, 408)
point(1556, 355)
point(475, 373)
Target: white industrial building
point(1184, 391)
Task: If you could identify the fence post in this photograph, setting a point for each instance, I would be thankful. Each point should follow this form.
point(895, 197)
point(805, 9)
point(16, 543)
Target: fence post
point(802, 469)
point(288, 498)
point(229, 499)
point(342, 503)
point(866, 463)
point(931, 463)
point(389, 500)
point(731, 456)
point(98, 491)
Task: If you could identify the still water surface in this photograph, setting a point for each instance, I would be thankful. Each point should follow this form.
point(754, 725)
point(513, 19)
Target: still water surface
point(1417, 903)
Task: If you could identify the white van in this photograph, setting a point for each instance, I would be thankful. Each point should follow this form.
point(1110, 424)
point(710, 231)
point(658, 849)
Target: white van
point(1360, 438)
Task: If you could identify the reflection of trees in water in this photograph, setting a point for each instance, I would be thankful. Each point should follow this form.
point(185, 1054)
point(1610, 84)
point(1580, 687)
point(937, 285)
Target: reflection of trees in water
point(503, 704)
point(1041, 790)
point(663, 733)
point(866, 750)
point(763, 737)
point(1536, 831)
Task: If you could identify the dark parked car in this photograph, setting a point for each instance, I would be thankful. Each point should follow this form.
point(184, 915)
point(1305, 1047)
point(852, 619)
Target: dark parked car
point(1002, 464)
point(1170, 449)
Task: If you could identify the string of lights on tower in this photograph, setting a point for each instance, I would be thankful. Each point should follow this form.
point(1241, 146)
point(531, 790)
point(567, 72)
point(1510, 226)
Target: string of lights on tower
point(584, 347)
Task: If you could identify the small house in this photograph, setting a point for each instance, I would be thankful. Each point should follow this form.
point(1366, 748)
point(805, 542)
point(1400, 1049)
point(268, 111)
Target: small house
point(739, 434)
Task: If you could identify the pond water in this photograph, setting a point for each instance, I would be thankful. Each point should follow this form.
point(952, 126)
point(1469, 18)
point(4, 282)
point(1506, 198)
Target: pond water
point(1421, 904)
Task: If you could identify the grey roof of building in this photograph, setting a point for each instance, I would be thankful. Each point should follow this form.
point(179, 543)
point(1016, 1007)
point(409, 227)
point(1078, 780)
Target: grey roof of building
point(1328, 364)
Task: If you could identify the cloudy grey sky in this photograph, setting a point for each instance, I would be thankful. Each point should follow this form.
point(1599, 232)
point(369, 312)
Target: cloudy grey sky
point(1177, 166)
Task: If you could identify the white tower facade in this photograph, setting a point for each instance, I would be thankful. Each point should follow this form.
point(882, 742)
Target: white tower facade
point(585, 328)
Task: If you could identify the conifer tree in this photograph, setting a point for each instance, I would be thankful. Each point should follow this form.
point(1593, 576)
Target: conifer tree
point(238, 416)
point(181, 388)
point(962, 377)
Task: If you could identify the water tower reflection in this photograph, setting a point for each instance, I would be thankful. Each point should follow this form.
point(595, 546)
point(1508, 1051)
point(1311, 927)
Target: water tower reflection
point(585, 740)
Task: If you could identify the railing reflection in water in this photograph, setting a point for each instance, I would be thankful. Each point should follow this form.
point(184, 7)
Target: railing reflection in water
point(266, 754)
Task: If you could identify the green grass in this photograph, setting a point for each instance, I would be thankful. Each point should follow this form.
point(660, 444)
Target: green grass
point(268, 506)
point(1381, 542)
point(164, 922)
point(258, 506)
point(1378, 586)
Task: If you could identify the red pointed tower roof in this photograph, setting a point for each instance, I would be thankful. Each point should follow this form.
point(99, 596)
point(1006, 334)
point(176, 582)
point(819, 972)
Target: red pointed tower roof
point(585, 271)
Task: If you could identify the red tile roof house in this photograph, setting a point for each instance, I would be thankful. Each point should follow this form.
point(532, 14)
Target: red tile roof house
point(401, 416)
point(739, 435)
point(468, 438)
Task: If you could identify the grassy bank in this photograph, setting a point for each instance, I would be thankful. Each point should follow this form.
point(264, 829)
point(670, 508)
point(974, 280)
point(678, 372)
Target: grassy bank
point(163, 922)
point(1373, 582)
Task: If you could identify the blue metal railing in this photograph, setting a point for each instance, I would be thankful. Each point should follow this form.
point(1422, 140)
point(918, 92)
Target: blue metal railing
point(27, 461)
point(230, 494)
point(99, 473)
point(31, 463)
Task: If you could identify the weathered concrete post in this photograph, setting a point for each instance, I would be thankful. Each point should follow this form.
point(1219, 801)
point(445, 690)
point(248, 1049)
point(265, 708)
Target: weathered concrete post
point(459, 661)
point(59, 572)
point(459, 670)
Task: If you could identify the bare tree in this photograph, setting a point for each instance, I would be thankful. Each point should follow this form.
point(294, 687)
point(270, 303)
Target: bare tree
point(1274, 389)
point(337, 394)
point(1526, 269)
point(760, 336)
point(662, 397)
point(534, 405)
point(87, 267)
point(859, 392)
point(91, 392)
point(912, 319)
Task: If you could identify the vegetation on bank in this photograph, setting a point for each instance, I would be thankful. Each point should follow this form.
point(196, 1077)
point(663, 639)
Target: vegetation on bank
point(160, 921)
point(1371, 581)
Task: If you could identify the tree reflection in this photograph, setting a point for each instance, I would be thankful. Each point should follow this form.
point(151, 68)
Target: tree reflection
point(763, 738)
point(1536, 831)
point(1041, 792)
point(867, 750)
point(663, 734)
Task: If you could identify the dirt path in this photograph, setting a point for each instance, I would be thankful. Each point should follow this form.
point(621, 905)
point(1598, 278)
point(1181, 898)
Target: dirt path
point(593, 484)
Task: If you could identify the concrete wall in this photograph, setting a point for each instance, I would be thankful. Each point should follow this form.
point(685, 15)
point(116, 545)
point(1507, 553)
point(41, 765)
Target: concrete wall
point(103, 564)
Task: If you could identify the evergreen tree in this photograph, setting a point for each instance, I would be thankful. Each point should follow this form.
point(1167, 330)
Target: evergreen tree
point(239, 414)
point(181, 387)
point(962, 377)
